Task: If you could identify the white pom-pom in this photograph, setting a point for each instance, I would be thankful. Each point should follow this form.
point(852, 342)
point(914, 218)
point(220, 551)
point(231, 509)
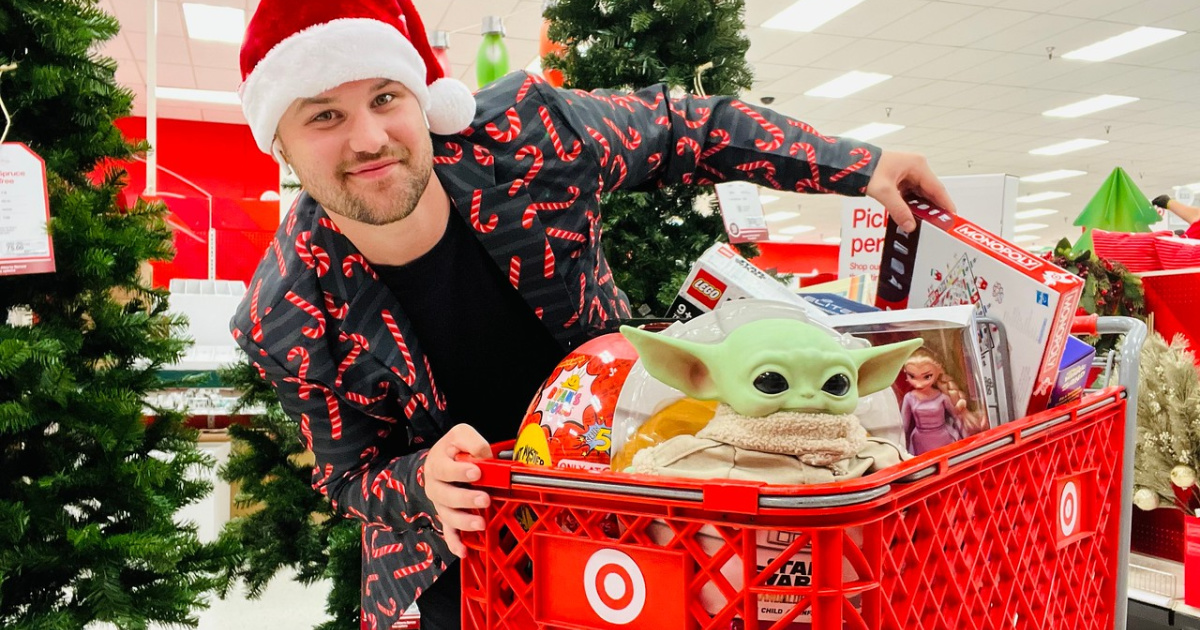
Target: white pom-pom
point(451, 107)
point(1145, 499)
point(1183, 476)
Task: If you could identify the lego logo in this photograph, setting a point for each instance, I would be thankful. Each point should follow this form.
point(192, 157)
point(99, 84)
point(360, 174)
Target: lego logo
point(706, 289)
point(1068, 509)
point(615, 586)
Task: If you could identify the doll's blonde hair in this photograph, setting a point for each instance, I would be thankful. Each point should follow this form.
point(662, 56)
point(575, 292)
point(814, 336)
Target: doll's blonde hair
point(945, 384)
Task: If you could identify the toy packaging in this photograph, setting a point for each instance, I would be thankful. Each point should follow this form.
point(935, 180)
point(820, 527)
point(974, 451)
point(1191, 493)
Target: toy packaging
point(941, 391)
point(948, 260)
point(834, 304)
point(721, 275)
point(1072, 372)
point(860, 289)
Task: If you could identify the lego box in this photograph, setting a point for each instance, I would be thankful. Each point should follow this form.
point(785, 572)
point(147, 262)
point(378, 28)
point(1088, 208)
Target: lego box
point(721, 274)
point(948, 260)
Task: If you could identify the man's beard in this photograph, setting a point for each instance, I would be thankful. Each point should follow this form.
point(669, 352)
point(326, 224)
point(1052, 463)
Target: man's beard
point(340, 200)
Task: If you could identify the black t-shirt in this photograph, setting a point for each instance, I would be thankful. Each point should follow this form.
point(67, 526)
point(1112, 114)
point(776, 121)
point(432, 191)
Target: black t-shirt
point(488, 352)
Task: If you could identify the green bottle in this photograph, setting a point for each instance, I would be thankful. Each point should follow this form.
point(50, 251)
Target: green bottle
point(492, 61)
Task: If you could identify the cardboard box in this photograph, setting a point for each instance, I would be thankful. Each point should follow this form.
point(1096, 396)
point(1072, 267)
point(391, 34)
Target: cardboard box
point(1073, 371)
point(949, 260)
point(834, 304)
point(720, 275)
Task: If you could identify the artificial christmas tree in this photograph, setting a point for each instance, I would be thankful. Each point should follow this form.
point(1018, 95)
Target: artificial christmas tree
point(652, 238)
point(1119, 206)
point(89, 486)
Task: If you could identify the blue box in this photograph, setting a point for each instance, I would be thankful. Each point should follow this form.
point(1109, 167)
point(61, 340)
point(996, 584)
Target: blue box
point(1073, 372)
point(835, 304)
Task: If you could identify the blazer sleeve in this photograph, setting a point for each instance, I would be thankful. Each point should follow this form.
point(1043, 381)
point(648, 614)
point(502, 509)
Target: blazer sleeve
point(648, 139)
point(350, 468)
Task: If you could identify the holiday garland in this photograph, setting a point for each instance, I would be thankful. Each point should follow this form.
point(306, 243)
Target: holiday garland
point(1109, 288)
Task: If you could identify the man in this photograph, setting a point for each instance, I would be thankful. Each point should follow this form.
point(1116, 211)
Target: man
point(1190, 214)
point(458, 238)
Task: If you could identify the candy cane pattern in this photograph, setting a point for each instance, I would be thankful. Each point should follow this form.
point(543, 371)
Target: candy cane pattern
point(632, 142)
point(389, 610)
point(313, 332)
point(654, 161)
point(685, 144)
point(857, 166)
point(476, 206)
point(256, 332)
point(534, 169)
point(524, 91)
point(514, 127)
point(411, 407)
point(360, 399)
point(306, 431)
point(548, 263)
point(385, 480)
point(514, 272)
point(348, 266)
point(810, 154)
point(372, 578)
point(404, 572)
point(360, 343)
point(313, 256)
point(323, 479)
point(338, 312)
point(483, 156)
point(566, 235)
point(555, 140)
point(456, 155)
point(622, 170)
point(722, 139)
point(328, 224)
point(534, 208)
point(305, 361)
point(438, 399)
point(776, 133)
point(704, 112)
point(410, 376)
point(279, 256)
point(599, 137)
point(807, 128)
point(761, 165)
point(291, 221)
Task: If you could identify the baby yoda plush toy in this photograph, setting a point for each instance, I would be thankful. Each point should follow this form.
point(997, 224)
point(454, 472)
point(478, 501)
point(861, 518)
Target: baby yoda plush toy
point(788, 393)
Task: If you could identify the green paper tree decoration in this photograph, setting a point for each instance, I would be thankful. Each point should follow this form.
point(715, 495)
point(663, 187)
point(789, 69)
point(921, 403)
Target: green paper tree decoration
point(1119, 206)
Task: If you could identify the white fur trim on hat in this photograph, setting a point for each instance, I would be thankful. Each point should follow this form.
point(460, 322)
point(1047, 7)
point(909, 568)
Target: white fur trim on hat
point(323, 57)
point(451, 107)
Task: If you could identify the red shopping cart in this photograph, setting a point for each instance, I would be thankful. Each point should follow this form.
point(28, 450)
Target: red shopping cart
point(1022, 526)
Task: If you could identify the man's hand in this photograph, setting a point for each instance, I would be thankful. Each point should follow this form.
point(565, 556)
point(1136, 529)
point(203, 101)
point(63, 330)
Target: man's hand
point(443, 474)
point(898, 174)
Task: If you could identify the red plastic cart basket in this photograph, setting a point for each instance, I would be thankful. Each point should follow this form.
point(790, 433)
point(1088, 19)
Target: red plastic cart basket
point(1023, 526)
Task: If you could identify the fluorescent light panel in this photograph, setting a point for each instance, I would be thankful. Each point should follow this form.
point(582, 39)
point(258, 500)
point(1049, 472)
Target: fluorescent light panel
point(198, 96)
point(1042, 196)
point(797, 229)
point(1090, 106)
point(1035, 213)
point(1029, 227)
point(1025, 238)
point(806, 15)
point(832, 240)
point(1052, 176)
point(871, 131)
point(1077, 144)
point(214, 24)
point(782, 215)
point(1124, 43)
point(847, 84)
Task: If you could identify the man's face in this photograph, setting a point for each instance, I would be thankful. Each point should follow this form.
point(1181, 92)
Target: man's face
point(361, 149)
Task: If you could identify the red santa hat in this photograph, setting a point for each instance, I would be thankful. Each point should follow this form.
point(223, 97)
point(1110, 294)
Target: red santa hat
point(301, 48)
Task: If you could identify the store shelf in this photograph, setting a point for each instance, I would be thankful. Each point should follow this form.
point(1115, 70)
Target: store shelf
point(1156, 595)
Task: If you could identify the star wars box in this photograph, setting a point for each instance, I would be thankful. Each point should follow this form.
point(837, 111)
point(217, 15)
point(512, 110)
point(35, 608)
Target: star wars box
point(948, 260)
point(720, 275)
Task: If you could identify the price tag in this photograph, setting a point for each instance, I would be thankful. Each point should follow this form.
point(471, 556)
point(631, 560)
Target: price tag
point(742, 212)
point(25, 245)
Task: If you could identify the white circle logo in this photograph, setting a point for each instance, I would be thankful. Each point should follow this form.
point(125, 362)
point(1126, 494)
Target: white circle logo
point(614, 586)
point(1068, 509)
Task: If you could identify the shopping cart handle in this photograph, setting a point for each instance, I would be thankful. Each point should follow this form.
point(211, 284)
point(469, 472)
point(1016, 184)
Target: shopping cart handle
point(1085, 325)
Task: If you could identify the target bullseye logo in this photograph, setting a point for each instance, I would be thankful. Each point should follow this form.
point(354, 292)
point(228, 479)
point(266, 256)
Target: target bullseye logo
point(615, 586)
point(1068, 509)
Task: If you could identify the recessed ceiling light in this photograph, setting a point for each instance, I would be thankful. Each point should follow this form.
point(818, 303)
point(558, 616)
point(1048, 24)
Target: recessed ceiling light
point(1089, 106)
point(1052, 176)
point(806, 15)
point(832, 240)
point(1029, 227)
point(1025, 238)
point(198, 96)
point(847, 84)
point(871, 131)
point(1035, 213)
point(797, 229)
point(766, 199)
point(1126, 42)
point(214, 24)
point(1042, 196)
point(1077, 144)
point(782, 215)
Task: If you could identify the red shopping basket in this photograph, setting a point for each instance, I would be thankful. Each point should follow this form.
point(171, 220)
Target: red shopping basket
point(1018, 527)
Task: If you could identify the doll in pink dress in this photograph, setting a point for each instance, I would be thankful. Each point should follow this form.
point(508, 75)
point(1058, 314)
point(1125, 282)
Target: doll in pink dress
point(934, 411)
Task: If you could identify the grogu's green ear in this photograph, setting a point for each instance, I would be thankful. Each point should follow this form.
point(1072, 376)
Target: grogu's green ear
point(879, 366)
point(678, 363)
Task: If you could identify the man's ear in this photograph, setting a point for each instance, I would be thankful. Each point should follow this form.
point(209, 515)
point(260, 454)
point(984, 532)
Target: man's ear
point(279, 155)
point(879, 366)
point(678, 363)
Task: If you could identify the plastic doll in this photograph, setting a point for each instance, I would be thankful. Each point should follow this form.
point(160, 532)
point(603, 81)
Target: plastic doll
point(934, 412)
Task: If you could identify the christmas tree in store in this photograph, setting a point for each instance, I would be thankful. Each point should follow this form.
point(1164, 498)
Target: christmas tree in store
point(1119, 206)
point(89, 486)
point(652, 238)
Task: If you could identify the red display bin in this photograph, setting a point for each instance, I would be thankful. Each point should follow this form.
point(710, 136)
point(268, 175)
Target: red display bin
point(1022, 526)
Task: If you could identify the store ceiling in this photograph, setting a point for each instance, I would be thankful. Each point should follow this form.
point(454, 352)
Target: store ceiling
point(971, 79)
